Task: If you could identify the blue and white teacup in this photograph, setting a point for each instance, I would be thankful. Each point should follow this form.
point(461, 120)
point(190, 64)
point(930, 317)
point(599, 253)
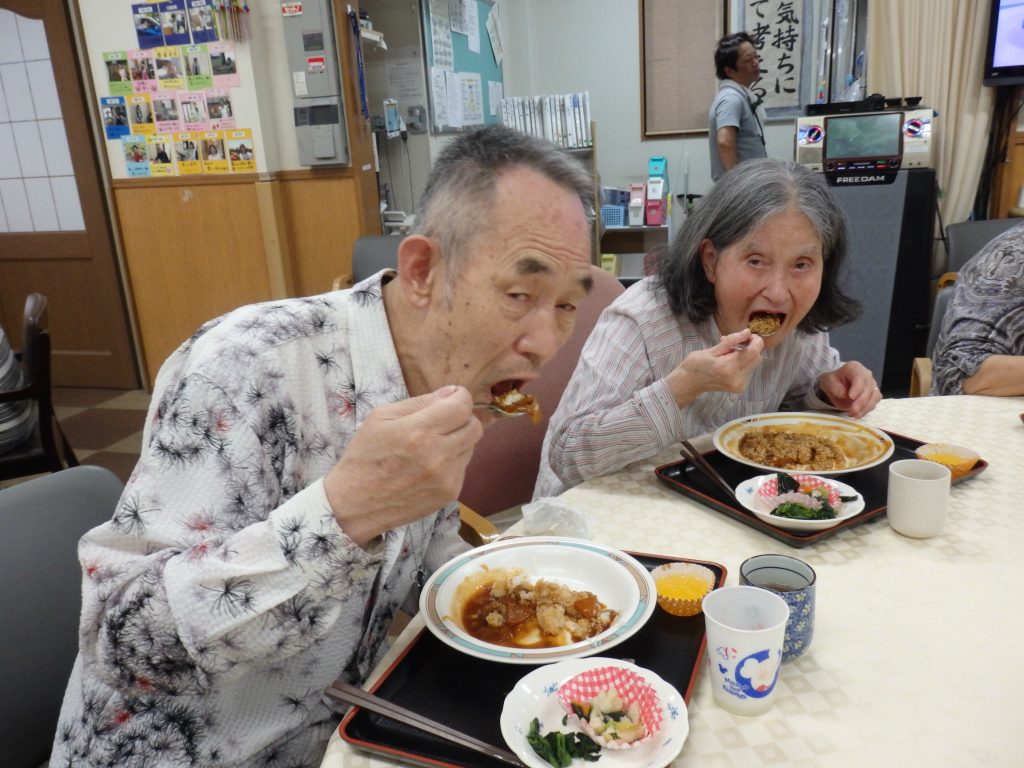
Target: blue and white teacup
point(794, 581)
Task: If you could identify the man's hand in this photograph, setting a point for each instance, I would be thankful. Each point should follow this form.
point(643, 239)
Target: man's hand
point(405, 461)
point(722, 368)
point(851, 388)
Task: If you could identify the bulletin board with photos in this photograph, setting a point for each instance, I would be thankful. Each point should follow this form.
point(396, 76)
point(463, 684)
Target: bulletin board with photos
point(169, 100)
point(463, 57)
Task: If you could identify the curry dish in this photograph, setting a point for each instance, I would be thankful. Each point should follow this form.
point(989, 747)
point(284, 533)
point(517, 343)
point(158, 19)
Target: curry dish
point(512, 611)
point(791, 450)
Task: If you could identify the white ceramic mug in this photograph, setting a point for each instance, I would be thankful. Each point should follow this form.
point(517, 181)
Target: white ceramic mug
point(918, 497)
point(746, 627)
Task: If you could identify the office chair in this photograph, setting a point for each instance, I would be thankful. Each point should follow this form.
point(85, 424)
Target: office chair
point(370, 255)
point(968, 237)
point(921, 369)
point(503, 470)
point(41, 600)
point(47, 450)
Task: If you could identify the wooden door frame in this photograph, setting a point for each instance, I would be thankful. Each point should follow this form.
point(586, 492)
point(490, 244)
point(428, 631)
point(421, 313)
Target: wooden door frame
point(63, 34)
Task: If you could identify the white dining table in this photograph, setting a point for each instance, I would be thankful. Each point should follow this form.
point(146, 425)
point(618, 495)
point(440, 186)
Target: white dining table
point(918, 650)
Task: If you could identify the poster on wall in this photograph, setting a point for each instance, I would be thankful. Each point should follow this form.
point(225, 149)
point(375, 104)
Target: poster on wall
point(118, 75)
point(211, 149)
point(166, 114)
point(240, 151)
point(197, 67)
point(193, 111)
point(136, 159)
point(174, 22)
point(186, 152)
point(149, 31)
point(143, 70)
point(200, 21)
point(218, 107)
point(222, 62)
point(140, 114)
point(777, 30)
point(158, 150)
point(114, 114)
point(170, 72)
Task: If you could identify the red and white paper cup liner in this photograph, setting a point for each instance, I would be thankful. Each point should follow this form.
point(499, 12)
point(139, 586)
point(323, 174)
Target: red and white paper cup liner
point(631, 688)
point(770, 488)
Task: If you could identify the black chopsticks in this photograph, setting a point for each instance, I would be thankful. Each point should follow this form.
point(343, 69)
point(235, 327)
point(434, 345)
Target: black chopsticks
point(698, 460)
point(351, 694)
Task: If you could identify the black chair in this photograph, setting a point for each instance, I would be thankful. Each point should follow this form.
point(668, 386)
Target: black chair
point(966, 238)
point(47, 450)
point(370, 255)
point(921, 368)
point(41, 600)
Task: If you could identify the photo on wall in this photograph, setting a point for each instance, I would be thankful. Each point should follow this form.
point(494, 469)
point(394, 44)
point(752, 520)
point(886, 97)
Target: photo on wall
point(114, 114)
point(143, 71)
point(119, 80)
point(148, 29)
point(175, 23)
point(201, 21)
point(222, 62)
point(170, 72)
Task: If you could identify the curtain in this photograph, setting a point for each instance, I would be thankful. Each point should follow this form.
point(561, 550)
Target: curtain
point(936, 49)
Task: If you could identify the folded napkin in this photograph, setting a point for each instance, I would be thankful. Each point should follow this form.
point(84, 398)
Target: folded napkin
point(548, 516)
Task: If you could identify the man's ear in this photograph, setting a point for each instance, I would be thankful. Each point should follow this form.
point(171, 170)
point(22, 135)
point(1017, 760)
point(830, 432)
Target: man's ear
point(708, 257)
point(419, 268)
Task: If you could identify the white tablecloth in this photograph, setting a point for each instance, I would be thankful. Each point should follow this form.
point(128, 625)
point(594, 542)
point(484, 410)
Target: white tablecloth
point(918, 650)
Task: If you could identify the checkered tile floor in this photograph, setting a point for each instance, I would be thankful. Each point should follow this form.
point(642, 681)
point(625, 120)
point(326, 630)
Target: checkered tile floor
point(104, 426)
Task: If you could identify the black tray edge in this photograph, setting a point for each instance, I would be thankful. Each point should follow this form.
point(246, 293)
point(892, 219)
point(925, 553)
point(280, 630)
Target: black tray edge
point(787, 537)
point(417, 759)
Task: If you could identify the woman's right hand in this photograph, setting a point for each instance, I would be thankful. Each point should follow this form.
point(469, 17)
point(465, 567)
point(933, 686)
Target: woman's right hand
point(725, 367)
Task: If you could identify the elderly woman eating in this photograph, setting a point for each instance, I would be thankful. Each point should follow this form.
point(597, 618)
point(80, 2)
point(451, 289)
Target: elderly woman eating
point(679, 353)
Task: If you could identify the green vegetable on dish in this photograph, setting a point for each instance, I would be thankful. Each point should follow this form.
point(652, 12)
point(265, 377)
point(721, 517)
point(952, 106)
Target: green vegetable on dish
point(796, 511)
point(558, 749)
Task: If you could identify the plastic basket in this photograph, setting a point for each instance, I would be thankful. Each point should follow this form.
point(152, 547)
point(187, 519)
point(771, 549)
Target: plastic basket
point(613, 215)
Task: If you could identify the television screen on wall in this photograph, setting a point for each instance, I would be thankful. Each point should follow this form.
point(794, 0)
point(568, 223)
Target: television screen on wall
point(1004, 58)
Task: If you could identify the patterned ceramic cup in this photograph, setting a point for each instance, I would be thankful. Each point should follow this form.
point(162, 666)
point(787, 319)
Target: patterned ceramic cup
point(794, 581)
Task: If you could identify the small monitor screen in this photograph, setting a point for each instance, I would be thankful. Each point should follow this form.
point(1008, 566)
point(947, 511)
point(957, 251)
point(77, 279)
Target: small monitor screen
point(852, 137)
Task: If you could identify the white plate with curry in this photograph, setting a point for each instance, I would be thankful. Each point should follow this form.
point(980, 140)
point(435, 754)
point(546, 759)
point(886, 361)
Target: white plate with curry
point(612, 597)
point(819, 443)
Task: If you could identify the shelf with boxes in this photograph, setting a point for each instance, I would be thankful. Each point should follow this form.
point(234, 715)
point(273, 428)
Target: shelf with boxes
point(635, 223)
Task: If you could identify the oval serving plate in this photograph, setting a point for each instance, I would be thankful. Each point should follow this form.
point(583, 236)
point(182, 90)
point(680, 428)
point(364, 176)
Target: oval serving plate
point(535, 695)
point(863, 446)
point(618, 580)
point(747, 495)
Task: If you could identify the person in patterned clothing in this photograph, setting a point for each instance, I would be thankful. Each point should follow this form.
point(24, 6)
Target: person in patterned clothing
point(298, 471)
point(980, 349)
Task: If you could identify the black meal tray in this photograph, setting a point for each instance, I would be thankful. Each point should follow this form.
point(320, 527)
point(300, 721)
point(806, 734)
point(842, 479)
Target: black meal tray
point(468, 693)
point(872, 484)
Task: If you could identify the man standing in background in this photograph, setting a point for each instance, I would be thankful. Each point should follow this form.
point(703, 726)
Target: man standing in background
point(735, 132)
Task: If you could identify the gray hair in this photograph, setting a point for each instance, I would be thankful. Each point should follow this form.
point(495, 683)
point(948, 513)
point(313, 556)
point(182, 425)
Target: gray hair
point(740, 201)
point(461, 188)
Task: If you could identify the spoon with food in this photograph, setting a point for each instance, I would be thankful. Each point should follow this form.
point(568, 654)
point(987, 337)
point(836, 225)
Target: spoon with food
point(512, 404)
point(764, 324)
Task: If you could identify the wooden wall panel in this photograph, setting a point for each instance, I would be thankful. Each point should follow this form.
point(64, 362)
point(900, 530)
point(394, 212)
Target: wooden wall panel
point(322, 221)
point(193, 252)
